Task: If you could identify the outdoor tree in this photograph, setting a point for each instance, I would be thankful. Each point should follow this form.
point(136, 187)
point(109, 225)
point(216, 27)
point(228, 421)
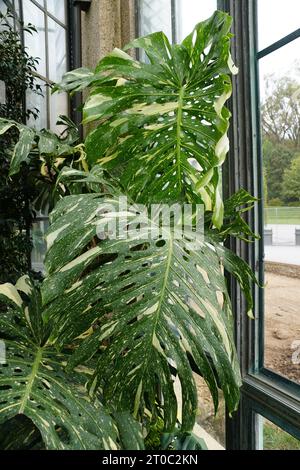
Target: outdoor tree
point(276, 159)
point(280, 111)
point(291, 182)
point(280, 119)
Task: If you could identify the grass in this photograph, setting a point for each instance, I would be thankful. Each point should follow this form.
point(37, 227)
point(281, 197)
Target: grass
point(274, 438)
point(282, 215)
point(277, 439)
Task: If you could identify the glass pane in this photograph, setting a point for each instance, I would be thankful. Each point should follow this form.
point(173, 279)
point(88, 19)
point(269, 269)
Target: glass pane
point(58, 105)
point(13, 7)
point(274, 438)
point(35, 42)
point(57, 50)
point(280, 117)
point(190, 13)
point(58, 9)
point(276, 19)
point(40, 103)
point(155, 15)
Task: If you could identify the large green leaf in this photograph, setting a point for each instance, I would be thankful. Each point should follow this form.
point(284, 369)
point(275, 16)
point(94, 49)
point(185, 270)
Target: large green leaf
point(42, 143)
point(22, 147)
point(163, 125)
point(5, 125)
point(79, 181)
point(130, 431)
point(151, 305)
point(34, 383)
point(75, 80)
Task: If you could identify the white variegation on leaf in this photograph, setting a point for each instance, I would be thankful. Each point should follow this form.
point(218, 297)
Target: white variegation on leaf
point(35, 384)
point(155, 118)
point(158, 305)
point(139, 311)
point(10, 291)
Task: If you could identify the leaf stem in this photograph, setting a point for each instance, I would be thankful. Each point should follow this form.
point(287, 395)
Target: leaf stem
point(31, 379)
point(178, 135)
point(165, 281)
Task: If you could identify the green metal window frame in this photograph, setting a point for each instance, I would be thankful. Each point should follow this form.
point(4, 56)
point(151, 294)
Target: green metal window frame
point(73, 40)
point(263, 392)
point(17, 5)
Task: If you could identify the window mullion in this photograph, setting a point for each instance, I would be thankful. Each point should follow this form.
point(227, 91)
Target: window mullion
point(241, 171)
point(263, 393)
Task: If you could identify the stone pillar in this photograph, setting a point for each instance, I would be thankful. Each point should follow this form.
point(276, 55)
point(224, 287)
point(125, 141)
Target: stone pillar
point(107, 24)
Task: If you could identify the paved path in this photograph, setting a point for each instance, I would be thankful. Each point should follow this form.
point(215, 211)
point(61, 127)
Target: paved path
point(283, 254)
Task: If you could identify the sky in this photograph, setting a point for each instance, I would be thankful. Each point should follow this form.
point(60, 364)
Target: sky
point(190, 12)
point(276, 19)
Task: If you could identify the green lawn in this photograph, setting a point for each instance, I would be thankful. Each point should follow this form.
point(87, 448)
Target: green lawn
point(277, 439)
point(282, 215)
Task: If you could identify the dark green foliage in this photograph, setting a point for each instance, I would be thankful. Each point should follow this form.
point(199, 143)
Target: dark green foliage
point(157, 439)
point(291, 182)
point(163, 126)
point(34, 383)
point(19, 433)
point(16, 193)
point(277, 158)
point(44, 154)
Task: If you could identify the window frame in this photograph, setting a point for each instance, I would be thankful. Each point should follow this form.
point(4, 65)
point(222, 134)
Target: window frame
point(74, 9)
point(263, 392)
point(73, 42)
point(65, 26)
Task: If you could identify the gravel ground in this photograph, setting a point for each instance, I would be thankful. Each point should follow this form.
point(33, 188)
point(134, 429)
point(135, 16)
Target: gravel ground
point(282, 325)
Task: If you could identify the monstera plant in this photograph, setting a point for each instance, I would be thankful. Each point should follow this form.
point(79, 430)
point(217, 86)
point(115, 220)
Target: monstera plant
point(110, 339)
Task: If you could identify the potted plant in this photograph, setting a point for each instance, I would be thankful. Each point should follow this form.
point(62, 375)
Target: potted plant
point(118, 320)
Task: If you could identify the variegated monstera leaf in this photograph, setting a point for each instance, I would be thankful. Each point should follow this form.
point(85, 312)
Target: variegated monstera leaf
point(42, 143)
point(146, 307)
point(35, 385)
point(162, 125)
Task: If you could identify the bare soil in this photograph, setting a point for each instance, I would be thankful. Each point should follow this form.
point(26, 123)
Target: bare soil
point(213, 424)
point(282, 325)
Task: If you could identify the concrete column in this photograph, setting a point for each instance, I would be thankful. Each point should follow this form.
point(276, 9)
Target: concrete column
point(106, 25)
